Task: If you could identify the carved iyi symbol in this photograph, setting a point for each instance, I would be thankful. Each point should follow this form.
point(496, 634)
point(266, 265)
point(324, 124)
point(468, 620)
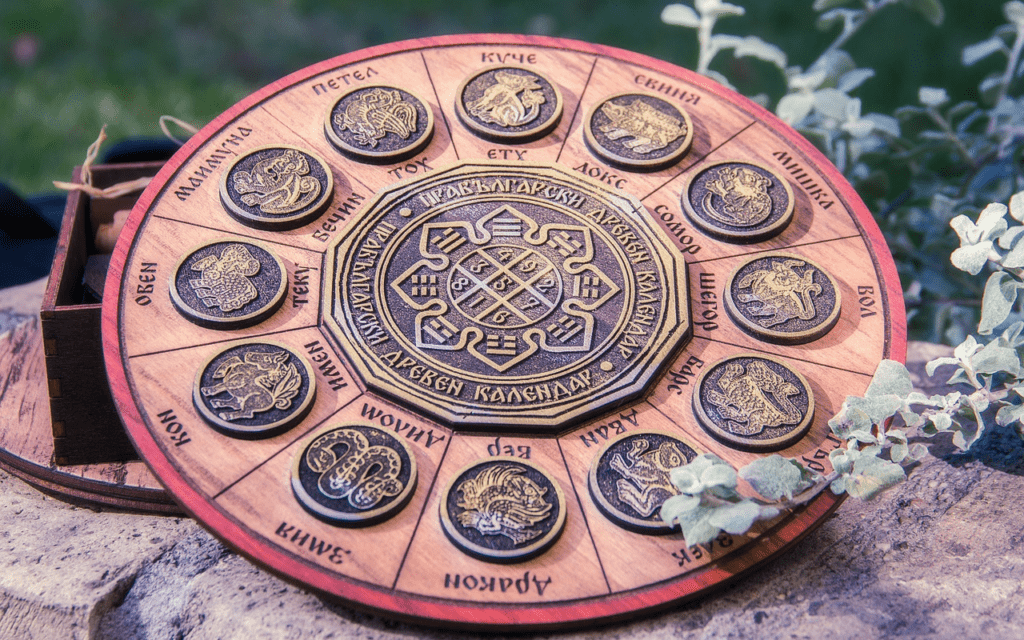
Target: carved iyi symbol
point(502, 500)
point(779, 293)
point(645, 472)
point(362, 474)
point(278, 184)
point(224, 281)
point(751, 400)
point(255, 383)
point(513, 100)
point(649, 128)
point(742, 196)
point(374, 114)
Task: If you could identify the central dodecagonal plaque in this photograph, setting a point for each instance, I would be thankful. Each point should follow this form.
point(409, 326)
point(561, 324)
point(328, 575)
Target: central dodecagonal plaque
point(512, 296)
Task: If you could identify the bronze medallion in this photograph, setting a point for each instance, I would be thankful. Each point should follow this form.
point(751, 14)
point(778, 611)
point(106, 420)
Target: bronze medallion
point(753, 402)
point(502, 296)
point(276, 187)
point(503, 509)
point(638, 131)
point(379, 124)
point(254, 389)
point(739, 202)
point(228, 284)
point(354, 475)
point(629, 478)
point(509, 104)
point(784, 298)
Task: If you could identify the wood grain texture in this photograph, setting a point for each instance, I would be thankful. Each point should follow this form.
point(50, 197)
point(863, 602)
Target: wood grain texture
point(26, 440)
point(597, 571)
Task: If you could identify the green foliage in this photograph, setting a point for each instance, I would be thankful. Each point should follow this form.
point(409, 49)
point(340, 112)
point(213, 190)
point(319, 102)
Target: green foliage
point(957, 162)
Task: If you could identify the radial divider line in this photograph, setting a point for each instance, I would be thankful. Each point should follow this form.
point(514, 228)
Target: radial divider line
point(347, 175)
point(786, 248)
point(240, 235)
point(229, 339)
point(698, 159)
point(586, 523)
point(281, 450)
point(444, 117)
point(780, 355)
point(576, 111)
point(426, 501)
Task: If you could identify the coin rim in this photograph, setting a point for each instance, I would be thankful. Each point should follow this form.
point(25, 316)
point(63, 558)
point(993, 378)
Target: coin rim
point(379, 157)
point(637, 525)
point(235, 322)
point(739, 237)
point(756, 446)
point(513, 555)
point(628, 163)
point(481, 131)
point(782, 337)
point(341, 518)
point(279, 223)
point(264, 431)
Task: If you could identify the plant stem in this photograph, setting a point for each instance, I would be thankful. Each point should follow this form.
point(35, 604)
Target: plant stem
point(952, 137)
point(870, 9)
point(1004, 85)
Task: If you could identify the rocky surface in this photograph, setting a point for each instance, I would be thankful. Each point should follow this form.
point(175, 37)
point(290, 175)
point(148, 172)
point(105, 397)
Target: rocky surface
point(940, 556)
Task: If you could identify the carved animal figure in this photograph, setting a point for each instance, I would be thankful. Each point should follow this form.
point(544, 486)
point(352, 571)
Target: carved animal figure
point(256, 383)
point(279, 184)
point(744, 399)
point(779, 294)
point(500, 500)
point(224, 280)
point(375, 113)
point(351, 468)
point(646, 483)
point(651, 129)
point(501, 103)
point(743, 194)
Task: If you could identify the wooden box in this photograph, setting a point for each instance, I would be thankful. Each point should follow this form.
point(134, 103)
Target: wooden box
point(86, 428)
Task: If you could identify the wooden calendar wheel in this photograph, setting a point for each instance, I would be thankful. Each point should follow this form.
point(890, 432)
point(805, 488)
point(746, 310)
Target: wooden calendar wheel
point(523, 278)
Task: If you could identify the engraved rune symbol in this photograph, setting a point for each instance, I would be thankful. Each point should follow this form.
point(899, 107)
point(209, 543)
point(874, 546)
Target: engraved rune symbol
point(374, 114)
point(278, 184)
point(779, 293)
point(502, 104)
point(742, 197)
point(755, 399)
point(224, 280)
point(501, 500)
point(256, 383)
point(650, 129)
point(350, 468)
point(505, 286)
point(646, 483)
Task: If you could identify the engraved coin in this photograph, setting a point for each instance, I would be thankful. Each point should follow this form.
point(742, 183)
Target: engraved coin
point(509, 104)
point(629, 478)
point(503, 509)
point(753, 402)
point(638, 131)
point(354, 475)
point(254, 389)
point(506, 296)
point(276, 187)
point(379, 124)
point(784, 298)
point(228, 284)
point(739, 202)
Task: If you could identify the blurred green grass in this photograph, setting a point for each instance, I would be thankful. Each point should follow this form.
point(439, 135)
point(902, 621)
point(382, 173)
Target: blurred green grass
point(69, 66)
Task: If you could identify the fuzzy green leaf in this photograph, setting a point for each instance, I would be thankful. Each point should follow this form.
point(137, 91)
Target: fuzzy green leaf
point(995, 358)
point(932, 96)
point(983, 49)
point(825, 5)
point(735, 518)
point(932, 365)
point(1017, 206)
point(959, 441)
point(997, 301)
point(1009, 240)
point(676, 506)
point(1014, 12)
point(930, 9)
point(775, 477)
point(891, 379)
point(971, 258)
point(795, 107)
point(831, 103)
point(942, 421)
point(696, 525)
point(898, 452)
point(917, 451)
point(1009, 413)
point(871, 476)
point(853, 79)
point(752, 46)
point(680, 15)
point(717, 8)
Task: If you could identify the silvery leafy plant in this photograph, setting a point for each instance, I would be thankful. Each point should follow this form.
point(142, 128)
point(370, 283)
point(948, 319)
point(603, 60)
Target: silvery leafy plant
point(958, 156)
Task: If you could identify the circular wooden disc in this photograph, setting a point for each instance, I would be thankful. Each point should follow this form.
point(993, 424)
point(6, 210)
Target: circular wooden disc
point(397, 328)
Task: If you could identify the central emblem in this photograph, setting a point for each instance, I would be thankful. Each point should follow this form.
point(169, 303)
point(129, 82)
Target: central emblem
point(519, 296)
